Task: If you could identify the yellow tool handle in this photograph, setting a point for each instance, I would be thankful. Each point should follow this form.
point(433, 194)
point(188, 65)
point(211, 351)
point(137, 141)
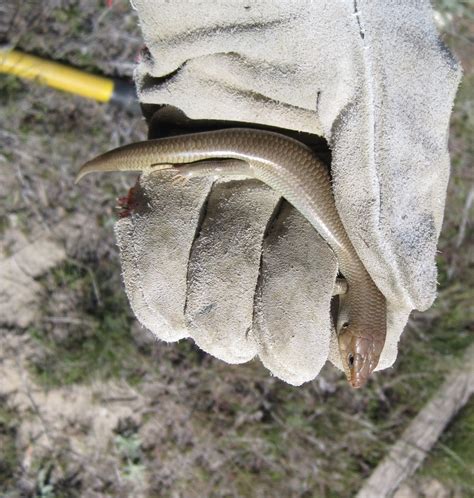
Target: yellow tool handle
point(56, 75)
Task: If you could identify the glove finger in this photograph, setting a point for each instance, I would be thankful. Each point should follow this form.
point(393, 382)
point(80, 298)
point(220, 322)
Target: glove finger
point(292, 321)
point(154, 242)
point(224, 267)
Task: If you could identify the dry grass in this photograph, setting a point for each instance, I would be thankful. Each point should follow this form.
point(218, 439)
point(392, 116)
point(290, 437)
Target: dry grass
point(198, 427)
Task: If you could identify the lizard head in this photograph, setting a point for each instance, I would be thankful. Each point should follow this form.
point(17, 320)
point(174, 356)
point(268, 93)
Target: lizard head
point(360, 355)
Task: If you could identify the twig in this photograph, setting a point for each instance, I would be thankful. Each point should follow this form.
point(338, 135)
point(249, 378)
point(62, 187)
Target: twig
point(95, 287)
point(462, 231)
point(67, 320)
point(34, 405)
point(465, 217)
point(119, 399)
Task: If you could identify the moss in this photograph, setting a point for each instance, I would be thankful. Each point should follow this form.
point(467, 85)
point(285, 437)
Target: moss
point(53, 479)
point(11, 88)
point(99, 345)
point(3, 224)
point(69, 15)
point(9, 458)
point(462, 8)
point(129, 448)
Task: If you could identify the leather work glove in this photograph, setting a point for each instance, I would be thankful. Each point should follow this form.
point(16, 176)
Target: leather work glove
point(228, 263)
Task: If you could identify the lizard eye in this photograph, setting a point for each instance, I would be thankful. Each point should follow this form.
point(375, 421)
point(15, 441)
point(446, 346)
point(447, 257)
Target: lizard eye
point(345, 325)
point(350, 360)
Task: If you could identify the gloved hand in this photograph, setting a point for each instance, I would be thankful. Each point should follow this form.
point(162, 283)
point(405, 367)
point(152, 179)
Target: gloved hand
point(231, 265)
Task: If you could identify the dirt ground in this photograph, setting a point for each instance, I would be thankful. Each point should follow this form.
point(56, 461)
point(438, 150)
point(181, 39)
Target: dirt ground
point(92, 406)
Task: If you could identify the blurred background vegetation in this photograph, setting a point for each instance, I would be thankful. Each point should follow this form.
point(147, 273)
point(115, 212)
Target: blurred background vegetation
point(92, 406)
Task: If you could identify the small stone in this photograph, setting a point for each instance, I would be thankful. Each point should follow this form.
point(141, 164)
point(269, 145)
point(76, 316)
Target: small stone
point(432, 488)
point(405, 491)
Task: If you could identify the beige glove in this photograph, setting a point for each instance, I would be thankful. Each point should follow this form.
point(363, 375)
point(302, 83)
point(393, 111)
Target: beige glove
point(230, 265)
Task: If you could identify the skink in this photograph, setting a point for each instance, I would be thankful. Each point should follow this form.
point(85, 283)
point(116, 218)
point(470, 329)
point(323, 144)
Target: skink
point(293, 170)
